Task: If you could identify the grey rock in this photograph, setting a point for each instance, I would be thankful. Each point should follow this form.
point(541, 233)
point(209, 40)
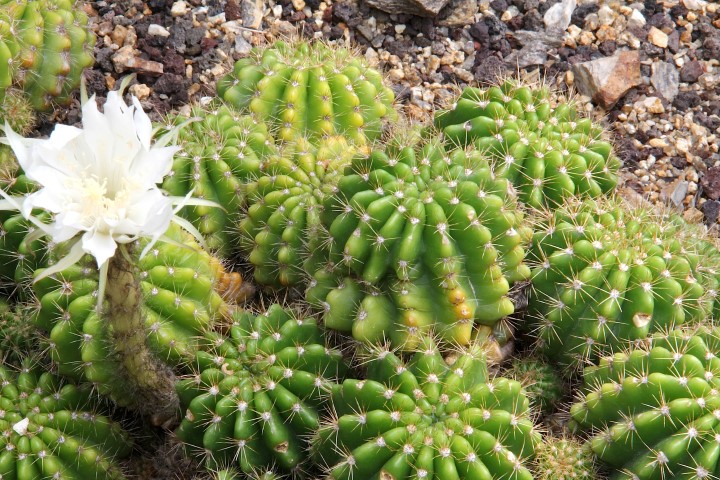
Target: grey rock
point(242, 46)
point(691, 71)
point(666, 80)
point(423, 8)
point(535, 47)
point(251, 13)
point(458, 13)
point(607, 79)
point(557, 18)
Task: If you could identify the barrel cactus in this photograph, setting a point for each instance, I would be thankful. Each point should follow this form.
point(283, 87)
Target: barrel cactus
point(254, 399)
point(564, 458)
point(177, 302)
point(549, 152)
point(418, 239)
point(221, 150)
point(653, 410)
point(427, 419)
point(53, 430)
point(19, 338)
point(609, 272)
point(44, 47)
point(310, 89)
point(281, 224)
point(542, 384)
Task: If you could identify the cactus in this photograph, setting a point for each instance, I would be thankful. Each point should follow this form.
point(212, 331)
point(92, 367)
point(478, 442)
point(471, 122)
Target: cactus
point(17, 111)
point(221, 151)
point(310, 89)
point(18, 336)
point(173, 286)
point(53, 430)
point(548, 153)
point(427, 419)
point(542, 384)
point(607, 273)
point(231, 474)
point(255, 397)
point(564, 458)
point(282, 224)
point(44, 47)
point(418, 239)
point(653, 410)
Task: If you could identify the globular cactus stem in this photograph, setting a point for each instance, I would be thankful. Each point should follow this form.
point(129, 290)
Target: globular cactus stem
point(153, 381)
point(564, 458)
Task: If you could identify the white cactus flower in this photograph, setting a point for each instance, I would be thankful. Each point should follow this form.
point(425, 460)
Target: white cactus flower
point(99, 182)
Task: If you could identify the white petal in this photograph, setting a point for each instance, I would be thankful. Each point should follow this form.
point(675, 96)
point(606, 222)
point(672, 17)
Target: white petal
point(99, 245)
point(19, 147)
point(21, 426)
point(154, 165)
point(143, 125)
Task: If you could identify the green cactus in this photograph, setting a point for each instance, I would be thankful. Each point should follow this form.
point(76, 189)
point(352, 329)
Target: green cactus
point(564, 458)
point(18, 336)
point(310, 89)
point(548, 152)
point(282, 223)
point(172, 288)
point(18, 112)
point(654, 411)
point(609, 272)
point(418, 239)
point(427, 419)
point(44, 47)
point(220, 152)
point(543, 385)
point(231, 474)
point(255, 397)
point(53, 430)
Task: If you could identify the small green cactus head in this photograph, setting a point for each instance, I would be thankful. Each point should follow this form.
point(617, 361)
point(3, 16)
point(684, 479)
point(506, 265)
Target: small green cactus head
point(310, 89)
point(255, 397)
point(422, 417)
point(539, 143)
point(19, 338)
point(653, 410)
point(17, 111)
point(543, 385)
point(564, 458)
point(609, 272)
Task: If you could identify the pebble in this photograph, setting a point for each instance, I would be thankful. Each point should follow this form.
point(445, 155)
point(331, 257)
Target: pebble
point(140, 90)
point(666, 80)
point(636, 20)
point(657, 37)
point(158, 30)
point(179, 9)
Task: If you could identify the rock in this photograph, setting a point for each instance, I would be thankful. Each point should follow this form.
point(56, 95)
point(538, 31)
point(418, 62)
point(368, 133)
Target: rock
point(251, 13)
point(666, 80)
point(606, 15)
point(423, 8)
point(535, 47)
point(675, 192)
point(457, 13)
point(691, 71)
point(694, 4)
point(606, 80)
point(711, 183)
point(558, 17)
point(657, 37)
point(653, 105)
point(140, 90)
point(711, 210)
point(158, 30)
point(636, 19)
point(232, 11)
point(179, 9)
point(242, 46)
point(125, 59)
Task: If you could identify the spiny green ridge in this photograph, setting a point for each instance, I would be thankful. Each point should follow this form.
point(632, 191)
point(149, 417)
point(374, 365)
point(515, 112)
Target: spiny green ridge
point(608, 272)
point(18, 112)
point(18, 336)
point(52, 430)
point(654, 412)
point(548, 152)
point(221, 150)
point(543, 385)
point(282, 224)
point(44, 47)
point(232, 474)
point(255, 397)
point(427, 419)
point(310, 89)
point(564, 458)
point(178, 303)
point(418, 239)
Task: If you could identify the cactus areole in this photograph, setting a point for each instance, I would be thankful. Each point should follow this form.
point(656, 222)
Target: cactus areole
point(100, 184)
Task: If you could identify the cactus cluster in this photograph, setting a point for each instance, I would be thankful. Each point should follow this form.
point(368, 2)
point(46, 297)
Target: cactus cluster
point(418, 239)
point(427, 419)
point(310, 89)
point(52, 430)
point(564, 458)
point(18, 336)
point(547, 151)
point(609, 272)
point(282, 222)
point(44, 47)
point(653, 410)
point(178, 304)
point(255, 397)
point(542, 384)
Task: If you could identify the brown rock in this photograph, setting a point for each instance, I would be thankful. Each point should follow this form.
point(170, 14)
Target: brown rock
point(232, 10)
point(126, 59)
point(607, 79)
point(711, 183)
point(423, 8)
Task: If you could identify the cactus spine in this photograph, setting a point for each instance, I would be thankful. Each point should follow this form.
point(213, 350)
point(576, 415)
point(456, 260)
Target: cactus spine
point(564, 458)
point(542, 384)
point(310, 89)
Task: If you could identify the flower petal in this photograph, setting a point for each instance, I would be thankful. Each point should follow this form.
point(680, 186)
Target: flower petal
point(100, 245)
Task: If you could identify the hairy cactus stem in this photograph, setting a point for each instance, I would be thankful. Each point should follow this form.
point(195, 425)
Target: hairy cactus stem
point(152, 383)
